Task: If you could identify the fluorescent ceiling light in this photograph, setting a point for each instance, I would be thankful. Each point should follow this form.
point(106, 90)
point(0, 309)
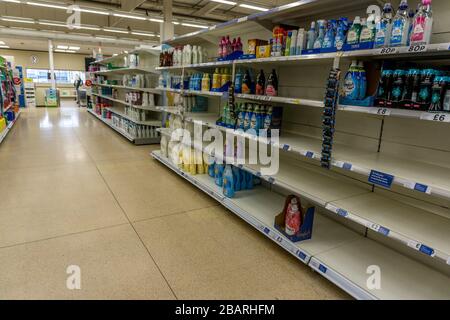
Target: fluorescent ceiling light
point(2, 42)
point(92, 11)
point(88, 28)
point(156, 20)
point(175, 22)
point(105, 38)
point(62, 47)
point(115, 30)
point(74, 48)
point(194, 25)
point(137, 33)
point(11, 1)
point(47, 5)
point(248, 6)
point(65, 51)
point(231, 3)
point(4, 47)
point(18, 20)
point(129, 16)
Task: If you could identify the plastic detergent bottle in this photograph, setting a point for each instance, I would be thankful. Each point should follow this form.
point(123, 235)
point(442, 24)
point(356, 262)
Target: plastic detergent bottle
point(423, 24)
point(341, 31)
point(384, 27)
point(426, 83)
point(216, 80)
point(241, 117)
point(412, 83)
point(287, 46)
point(228, 182)
point(292, 218)
point(328, 40)
point(293, 46)
point(367, 32)
point(218, 174)
point(351, 85)
point(268, 119)
point(411, 15)
point(301, 41)
point(362, 81)
point(238, 82)
point(246, 83)
point(237, 179)
point(319, 41)
point(260, 83)
point(254, 119)
point(400, 25)
point(249, 180)
point(354, 33)
point(385, 85)
point(248, 117)
point(311, 36)
point(272, 84)
point(206, 83)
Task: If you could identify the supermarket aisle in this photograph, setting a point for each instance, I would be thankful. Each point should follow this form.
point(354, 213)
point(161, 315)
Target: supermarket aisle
point(74, 193)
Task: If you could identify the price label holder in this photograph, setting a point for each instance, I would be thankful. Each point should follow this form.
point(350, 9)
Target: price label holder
point(343, 165)
point(380, 229)
point(243, 19)
point(422, 248)
point(422, 188)
point(380, 111)
point(386, 51)
point(436, 117)
point(301, 255)
point(417, 48)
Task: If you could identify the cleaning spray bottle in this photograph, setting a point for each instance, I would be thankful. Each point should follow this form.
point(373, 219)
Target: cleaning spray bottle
point(354, 33)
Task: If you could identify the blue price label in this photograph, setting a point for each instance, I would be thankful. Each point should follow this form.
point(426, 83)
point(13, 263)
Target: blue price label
point(301, 255)
point(381, 178)
point(342, 212)
point(421, 187)
point(427, 250)
point(384, 231)
point(347, 166)
point(266, 230)
point(323, 269)
point(286, 147)
point(309, 154)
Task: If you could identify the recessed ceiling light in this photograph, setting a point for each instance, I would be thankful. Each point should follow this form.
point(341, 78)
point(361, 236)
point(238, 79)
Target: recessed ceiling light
point(248, 6)
point(121, 15)
point(231, 3)
point(156, 20)
point(47, 5)
point(194, 25)
point(115, 30)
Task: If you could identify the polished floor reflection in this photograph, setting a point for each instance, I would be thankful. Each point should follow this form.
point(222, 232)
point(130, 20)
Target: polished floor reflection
point(78, 196)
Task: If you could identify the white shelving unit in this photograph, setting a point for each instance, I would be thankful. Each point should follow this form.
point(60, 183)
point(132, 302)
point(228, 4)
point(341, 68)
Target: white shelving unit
point(403, 228)
point(338, 253)
point(5, 132)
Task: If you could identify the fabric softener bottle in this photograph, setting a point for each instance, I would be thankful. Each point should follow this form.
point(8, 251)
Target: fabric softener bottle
point(400, 26)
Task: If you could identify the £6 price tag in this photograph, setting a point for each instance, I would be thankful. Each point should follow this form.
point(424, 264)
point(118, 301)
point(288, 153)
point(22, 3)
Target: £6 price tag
point(437, 117)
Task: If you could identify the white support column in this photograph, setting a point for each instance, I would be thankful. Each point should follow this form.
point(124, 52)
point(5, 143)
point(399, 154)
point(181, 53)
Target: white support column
point(166, 28)
point(51, 64)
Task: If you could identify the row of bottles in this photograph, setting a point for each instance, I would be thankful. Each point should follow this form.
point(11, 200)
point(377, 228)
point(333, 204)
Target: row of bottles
point(228, 47)
point(182, 56)
point(245, 84)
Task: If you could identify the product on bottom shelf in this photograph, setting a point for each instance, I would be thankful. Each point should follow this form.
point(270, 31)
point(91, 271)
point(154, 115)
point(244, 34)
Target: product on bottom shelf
point(295, 221)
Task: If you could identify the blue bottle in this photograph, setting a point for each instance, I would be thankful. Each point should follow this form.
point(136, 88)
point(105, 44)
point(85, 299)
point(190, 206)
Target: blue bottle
point(341, 33)
point(384, 27)
point(238, 82)
point(218, 174)
point(237, 178)
point(400, 25)
point(249, 180)
point(362, 81)
point(248, 117)
point(351, 82)
point(228, 182)
point(330, 35)
point(319, 41)
point(211, 168)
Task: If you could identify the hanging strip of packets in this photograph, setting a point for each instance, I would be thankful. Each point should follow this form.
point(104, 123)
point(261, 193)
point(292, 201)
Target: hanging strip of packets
point(329, 116)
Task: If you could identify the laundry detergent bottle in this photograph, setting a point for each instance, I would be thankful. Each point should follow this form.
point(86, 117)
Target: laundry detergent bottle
point(319, 41)
point(354, 33)
point(384, 27)
point(351, 82)
point(362, 81)
point(330, 35)
point(341, 32)
point(400, 26)
point(423, 24)
point(228, 182)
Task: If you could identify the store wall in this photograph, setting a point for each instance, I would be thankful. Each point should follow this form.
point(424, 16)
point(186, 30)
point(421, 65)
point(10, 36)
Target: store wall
point(63, 61)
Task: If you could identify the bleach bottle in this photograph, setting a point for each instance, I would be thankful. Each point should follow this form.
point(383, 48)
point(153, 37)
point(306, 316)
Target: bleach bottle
point(384, 27)
point(351, 82)
point(400, 25)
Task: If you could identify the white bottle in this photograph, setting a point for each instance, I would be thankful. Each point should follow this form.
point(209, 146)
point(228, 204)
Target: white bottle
point(194, 55)
point(293, 47)
point(199, 54)
point(301, 41)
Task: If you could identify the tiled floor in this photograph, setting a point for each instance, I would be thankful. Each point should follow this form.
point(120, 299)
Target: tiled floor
point(75, 193)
